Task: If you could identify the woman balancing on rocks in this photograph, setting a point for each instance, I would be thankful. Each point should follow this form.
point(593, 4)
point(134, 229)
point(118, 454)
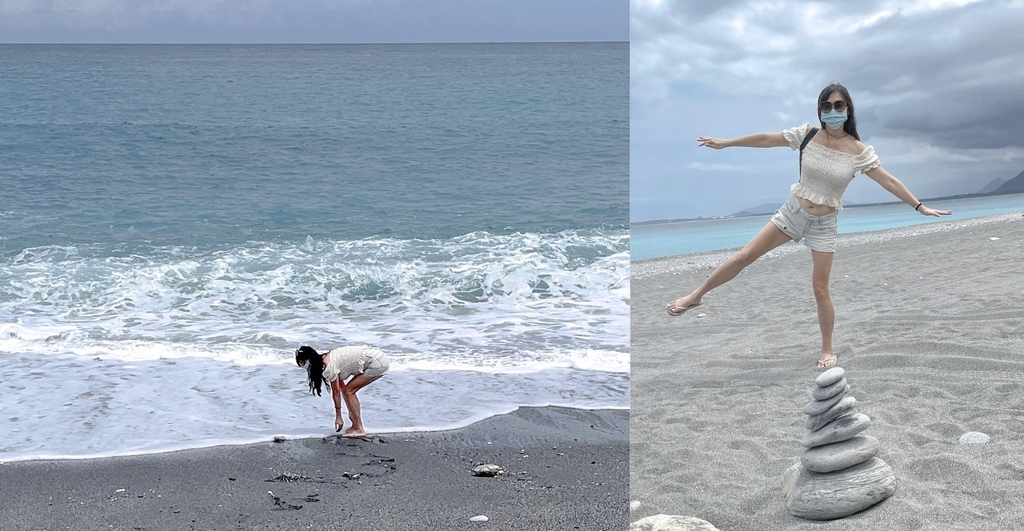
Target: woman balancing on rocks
point(834, 153)
point(363, 363)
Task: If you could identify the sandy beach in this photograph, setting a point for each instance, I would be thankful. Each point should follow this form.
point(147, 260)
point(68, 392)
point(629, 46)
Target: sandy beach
point(930, 331)
point(566, 469)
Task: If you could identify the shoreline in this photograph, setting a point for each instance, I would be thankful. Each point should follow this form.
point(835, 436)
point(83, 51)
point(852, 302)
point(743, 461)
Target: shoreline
point(929, 329)
point(686, 262)
point(297, 436)
point(565, 467)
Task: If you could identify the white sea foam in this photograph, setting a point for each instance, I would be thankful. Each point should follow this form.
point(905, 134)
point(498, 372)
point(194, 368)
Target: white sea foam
point(173, 348)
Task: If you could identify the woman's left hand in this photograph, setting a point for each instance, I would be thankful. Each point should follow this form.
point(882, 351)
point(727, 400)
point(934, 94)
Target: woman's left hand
point(932, 212)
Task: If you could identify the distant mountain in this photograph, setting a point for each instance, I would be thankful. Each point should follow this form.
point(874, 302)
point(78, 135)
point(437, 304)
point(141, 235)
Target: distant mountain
point(992, 186)
point(1013, 186)
point(765, 208)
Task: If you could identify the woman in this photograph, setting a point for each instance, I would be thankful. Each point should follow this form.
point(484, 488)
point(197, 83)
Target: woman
point(828, 163)
point(363, 363)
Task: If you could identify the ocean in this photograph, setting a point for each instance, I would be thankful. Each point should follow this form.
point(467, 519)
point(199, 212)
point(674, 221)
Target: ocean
point(176, 220)
point(659, 240)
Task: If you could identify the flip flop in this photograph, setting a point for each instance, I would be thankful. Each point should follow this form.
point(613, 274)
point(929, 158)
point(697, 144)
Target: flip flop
point(828, 363)
point(677, 313)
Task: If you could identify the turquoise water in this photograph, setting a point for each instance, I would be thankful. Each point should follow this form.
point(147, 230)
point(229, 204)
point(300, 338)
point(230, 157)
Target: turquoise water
point(670, 239)
point(176, 220)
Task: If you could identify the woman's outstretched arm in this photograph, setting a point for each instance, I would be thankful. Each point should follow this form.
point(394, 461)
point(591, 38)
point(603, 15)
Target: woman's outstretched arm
point(898, 189)
point(759, 140)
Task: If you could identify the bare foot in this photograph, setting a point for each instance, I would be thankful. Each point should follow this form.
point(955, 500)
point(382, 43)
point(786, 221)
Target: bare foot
point(828, 360)
point(681, 305)
point(353, 433)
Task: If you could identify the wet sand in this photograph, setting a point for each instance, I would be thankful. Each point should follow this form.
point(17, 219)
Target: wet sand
point(566, 469)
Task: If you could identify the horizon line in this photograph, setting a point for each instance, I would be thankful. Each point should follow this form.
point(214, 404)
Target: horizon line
point(299, 43)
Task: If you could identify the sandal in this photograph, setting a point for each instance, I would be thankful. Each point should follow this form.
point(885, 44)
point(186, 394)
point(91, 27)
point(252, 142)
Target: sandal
point(828, 363)
point(677, 313)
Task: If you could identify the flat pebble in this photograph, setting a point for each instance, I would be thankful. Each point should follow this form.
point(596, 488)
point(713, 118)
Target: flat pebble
point(844, 406)
point(974, 437)
point(824, 393)
point(830, 377)
point(817, 407)
point(479, 518)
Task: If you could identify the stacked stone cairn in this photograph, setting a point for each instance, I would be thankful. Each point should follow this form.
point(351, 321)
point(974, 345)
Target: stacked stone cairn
point(838, 473)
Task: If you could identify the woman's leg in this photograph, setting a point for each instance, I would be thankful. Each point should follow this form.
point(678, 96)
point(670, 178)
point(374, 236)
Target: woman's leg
point(826, 311)
point(357, 382)
point(769, 238)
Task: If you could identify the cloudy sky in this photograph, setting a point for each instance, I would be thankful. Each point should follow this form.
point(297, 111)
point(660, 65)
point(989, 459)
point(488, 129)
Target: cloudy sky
point(311, 21)
point(937, 86)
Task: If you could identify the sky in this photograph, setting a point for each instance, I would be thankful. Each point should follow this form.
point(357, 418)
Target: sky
point(312, 21)
point(938, 87)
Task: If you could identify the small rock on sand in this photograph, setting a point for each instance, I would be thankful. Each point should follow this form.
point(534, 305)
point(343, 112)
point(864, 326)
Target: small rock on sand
point(479, 518)
point(280, 438)
point(974, 437)
point(488, 470)
point(671, 522)
point(634, 505)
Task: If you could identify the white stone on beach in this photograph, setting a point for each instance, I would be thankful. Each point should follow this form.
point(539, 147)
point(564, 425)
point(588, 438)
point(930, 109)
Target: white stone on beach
point(823, 393)
point(634, 505)
point(816, 422)
point(671, 522)
point(837, 494)
point(842, 429)
point(829, 377)
point(699, 315)
point(488, 470)
point(974, 437)
point(993, 238)
point(840, 455)
point(817, 407)
point(479, 518)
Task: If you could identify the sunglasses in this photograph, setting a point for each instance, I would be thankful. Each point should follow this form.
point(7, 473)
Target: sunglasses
point(827, 106)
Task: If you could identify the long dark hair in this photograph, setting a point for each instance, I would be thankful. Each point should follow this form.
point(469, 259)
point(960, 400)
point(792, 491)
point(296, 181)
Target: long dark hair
point(851, 119)
point(314, 369)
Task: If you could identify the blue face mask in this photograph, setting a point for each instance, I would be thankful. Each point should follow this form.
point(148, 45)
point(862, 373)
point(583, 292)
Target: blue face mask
point(834, 120)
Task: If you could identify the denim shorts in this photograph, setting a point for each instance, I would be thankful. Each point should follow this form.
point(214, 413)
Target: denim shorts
point(818, 232)
point(377, 363)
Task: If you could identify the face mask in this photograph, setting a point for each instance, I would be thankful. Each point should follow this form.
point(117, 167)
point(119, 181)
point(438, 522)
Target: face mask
point(834, 120)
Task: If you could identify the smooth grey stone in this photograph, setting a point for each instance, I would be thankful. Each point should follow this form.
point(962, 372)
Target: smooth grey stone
point(834, 495)
point(841, 429)
point(671, 522)
point(488, 470)
point(844, 406)
point(829, 377)
point(840, 455)
point(974, 437)
point(824, 393)
point(817, 407)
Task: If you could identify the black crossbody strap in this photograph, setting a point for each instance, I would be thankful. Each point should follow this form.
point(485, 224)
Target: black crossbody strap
point(810, 135)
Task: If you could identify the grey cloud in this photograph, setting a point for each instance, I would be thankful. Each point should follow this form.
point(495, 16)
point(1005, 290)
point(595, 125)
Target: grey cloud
point(946, 83)
point(957, 67)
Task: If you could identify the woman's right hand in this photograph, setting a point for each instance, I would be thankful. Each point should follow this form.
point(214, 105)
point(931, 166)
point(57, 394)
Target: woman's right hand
point(712, 143)
point(338, 423)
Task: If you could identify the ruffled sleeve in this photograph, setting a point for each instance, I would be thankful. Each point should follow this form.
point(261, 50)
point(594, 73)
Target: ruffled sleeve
point(795, 135)
point(331, 370)
point(866, 161)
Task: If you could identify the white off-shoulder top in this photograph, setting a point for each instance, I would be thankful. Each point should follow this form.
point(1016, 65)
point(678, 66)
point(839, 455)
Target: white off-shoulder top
point(826, 172)
point(346, 361)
